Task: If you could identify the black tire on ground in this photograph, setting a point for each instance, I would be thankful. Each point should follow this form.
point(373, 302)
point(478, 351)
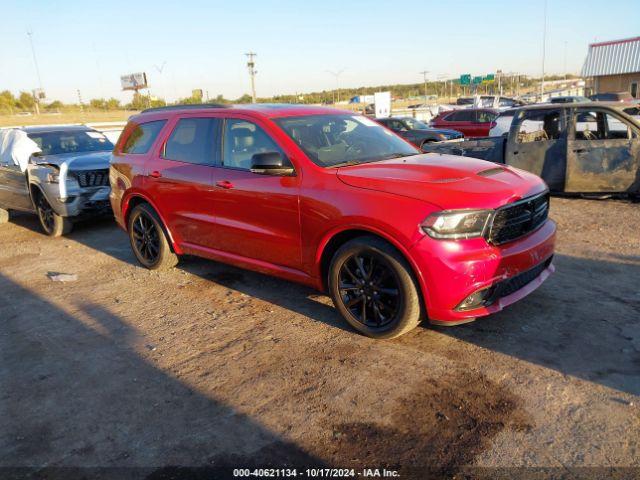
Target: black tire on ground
point(4, 216)
point(370, 269)
point(52, 224)
point(148, 239)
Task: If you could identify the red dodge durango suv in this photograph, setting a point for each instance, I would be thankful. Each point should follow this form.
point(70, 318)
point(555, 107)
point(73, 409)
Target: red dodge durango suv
point(335, 201)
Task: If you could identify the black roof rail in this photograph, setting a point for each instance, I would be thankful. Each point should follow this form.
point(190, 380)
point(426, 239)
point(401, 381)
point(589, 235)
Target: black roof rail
point(186, 106)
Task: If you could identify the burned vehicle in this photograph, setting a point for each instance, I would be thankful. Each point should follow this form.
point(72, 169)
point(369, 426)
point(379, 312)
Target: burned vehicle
point(582, 148)
point(60, 173)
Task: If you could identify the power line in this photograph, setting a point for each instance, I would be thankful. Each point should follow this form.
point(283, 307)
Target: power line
point(251, 65)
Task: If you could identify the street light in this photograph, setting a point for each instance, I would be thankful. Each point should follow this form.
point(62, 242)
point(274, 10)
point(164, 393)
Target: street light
point(337, 75)
point(424, 74)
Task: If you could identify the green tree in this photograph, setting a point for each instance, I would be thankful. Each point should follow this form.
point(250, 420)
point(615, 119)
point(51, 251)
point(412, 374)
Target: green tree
point(56, 105)
point(26, 101)
point(7, 102)
point(113, 104)
point(244, 99)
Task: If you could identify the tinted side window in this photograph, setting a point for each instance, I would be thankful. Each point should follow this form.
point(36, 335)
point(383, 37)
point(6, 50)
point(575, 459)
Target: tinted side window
point(540, 125)
point(461, 116)
point(485, 117)
point(193, 140)
point(142, 137)
point(242, 140)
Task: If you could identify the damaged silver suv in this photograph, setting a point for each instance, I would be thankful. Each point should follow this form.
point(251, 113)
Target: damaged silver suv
point(60, 173)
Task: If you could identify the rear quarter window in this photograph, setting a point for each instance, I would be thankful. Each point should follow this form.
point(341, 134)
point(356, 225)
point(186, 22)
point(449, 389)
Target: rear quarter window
point(142, 137)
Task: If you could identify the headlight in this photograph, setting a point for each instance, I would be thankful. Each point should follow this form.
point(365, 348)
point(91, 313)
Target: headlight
point(457, 224)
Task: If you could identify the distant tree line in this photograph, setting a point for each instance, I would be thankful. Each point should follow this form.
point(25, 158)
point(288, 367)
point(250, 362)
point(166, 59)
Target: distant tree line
point(24, 101)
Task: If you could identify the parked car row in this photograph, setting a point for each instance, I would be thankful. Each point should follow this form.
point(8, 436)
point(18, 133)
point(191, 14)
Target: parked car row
point(326, 198)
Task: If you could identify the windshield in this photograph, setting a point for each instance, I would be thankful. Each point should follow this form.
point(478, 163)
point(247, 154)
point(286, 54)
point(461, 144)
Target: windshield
point(57, 143)
point(415, 124)
point(333, 140)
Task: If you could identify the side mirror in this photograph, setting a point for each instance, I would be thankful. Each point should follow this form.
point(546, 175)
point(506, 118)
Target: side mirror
point(270, 163)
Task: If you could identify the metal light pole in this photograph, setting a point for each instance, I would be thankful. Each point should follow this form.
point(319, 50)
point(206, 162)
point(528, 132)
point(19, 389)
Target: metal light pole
point(35, 62)
point(251, 65)
point(337, 75)
point(544, 49)
point(424, 74)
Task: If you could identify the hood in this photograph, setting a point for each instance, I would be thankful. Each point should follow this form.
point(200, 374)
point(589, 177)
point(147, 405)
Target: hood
point(78, 161)
point(442, 131)
point(446, 181)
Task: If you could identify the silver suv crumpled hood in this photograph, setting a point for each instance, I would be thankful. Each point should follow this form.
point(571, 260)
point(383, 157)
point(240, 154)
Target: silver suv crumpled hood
point(76, 161)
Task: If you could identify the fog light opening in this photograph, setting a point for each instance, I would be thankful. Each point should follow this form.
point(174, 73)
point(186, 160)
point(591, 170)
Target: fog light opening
point(478, 299)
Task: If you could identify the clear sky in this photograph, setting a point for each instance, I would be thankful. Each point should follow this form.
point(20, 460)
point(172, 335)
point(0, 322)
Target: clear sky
point(87, 45)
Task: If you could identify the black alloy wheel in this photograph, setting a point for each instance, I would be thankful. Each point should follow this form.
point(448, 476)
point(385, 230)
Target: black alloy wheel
point(373, 288)
point(369, 289)
point(149, 240)
point(46, 214)
point(146, 238)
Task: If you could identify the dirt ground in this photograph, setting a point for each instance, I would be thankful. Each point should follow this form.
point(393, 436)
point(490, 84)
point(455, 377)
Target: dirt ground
point(206, 366)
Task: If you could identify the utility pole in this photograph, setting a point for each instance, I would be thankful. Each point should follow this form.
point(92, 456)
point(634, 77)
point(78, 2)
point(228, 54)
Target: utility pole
point(544, 49)
point(80, 102)
point(337, 75)
point(251, 65)
point(35, 62)
point(424, 74)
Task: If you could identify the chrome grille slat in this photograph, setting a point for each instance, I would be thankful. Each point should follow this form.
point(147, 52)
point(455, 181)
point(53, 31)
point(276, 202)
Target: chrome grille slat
point(92, 178)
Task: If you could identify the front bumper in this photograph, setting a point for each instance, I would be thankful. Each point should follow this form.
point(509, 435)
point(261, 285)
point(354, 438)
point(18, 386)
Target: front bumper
point(83, 202)
point(451, 271)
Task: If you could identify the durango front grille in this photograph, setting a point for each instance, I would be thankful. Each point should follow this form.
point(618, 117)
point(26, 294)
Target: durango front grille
point(92, 178)
point(518, 219)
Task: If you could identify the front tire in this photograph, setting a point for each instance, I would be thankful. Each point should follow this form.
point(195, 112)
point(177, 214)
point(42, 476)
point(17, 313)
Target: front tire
point(53, 224)
point(148, 239)
point(373, 288)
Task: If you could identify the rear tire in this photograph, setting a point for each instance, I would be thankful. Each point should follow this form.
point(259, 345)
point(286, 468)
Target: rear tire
point(52, 224)
point(373, 288)
point(148, 239)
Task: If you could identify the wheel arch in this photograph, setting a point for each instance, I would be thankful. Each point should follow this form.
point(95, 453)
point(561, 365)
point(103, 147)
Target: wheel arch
point(135, 199)
point(335, 239)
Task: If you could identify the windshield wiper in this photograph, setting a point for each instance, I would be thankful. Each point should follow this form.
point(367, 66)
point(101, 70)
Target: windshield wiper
point(349, 163)
point(397, 155)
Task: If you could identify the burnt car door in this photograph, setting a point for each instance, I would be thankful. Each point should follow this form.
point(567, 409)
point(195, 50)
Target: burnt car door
point(538, 143)
point(604, 152)
point(14, 193)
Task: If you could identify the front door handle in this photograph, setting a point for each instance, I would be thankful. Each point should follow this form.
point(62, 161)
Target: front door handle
point(155, 174)
point(224, 184)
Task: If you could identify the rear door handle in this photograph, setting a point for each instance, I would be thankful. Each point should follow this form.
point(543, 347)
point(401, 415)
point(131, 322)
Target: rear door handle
point(155, 174)
point(224, 184)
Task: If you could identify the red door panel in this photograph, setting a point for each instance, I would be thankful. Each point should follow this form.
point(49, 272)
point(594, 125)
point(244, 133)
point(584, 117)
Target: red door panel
point(184, 195)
